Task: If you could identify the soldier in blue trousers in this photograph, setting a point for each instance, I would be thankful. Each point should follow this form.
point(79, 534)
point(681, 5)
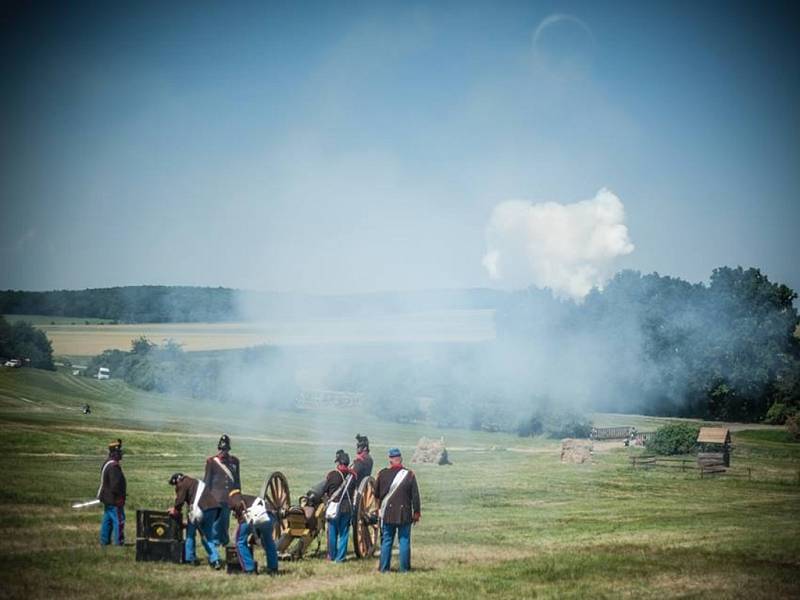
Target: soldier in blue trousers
point(397, 491)
point(251, 513)
point(112, 494)
point(340, 485)
point(186, 489)
point(221, 476)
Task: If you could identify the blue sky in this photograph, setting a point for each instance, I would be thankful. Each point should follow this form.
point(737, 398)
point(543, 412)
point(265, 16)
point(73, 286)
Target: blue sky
point(348, 146)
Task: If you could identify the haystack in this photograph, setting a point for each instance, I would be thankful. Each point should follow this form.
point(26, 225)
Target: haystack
point(431, 452)
point(576, 451)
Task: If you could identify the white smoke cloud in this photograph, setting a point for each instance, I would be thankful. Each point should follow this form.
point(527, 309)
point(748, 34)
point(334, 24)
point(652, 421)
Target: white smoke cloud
point(568, 248)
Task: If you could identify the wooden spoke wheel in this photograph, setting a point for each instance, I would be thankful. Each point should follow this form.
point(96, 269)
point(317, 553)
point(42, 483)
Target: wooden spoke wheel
point(366, 526)
point(276, 492)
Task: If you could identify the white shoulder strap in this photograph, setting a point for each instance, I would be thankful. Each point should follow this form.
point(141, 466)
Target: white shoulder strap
point(224, 468)
point(345, 483)
point(102, 474)
point(398, 479)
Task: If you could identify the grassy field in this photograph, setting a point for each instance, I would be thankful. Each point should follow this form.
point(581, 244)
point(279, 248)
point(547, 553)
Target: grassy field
point(88, 337)
point(507, 520)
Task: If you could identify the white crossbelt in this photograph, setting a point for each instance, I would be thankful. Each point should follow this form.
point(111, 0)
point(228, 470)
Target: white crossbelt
point(398, 479)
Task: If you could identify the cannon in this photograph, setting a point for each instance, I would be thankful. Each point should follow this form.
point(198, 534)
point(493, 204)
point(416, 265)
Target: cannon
point(302, 526)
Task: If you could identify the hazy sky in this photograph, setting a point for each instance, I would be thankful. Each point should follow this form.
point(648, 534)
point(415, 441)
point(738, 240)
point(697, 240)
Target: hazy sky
point(348, 146)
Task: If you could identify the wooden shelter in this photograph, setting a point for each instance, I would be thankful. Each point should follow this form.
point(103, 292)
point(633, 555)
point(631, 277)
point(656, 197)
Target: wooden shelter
point(716, 440)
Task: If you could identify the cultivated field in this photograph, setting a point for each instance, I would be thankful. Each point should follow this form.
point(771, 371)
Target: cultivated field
point(506, 520)
point(85, 337)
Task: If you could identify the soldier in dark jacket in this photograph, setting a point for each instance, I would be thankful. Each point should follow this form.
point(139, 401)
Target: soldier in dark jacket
point(221, 476)
point(340, 485)
point(249, 523)
point(362, 465)
point(185, 493)
point(396, 490)
point(112, 494)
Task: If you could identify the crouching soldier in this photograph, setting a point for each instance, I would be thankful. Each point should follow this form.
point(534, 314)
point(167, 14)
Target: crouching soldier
point(253, 517)
point(340, 486)
point(112, 494)
point(396, 490)
point(192, 493)
point(222, 476)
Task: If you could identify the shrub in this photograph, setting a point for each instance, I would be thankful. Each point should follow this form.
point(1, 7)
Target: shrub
point(568, 424)
point(778, 413)
point(674, 439)
point(530, 427)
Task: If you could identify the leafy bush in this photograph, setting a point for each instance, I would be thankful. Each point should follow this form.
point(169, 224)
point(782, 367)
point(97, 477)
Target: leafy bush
point(531, 427)
point(556, 424)
point(674, 439)
point(778, 413)
point(568, 424)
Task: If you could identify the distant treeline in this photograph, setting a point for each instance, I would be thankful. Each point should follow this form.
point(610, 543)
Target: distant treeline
point(135, 304)
point(177, 304)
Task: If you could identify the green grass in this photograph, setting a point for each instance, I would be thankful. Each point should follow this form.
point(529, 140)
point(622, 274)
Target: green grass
point(780, 436)
point(507, 520)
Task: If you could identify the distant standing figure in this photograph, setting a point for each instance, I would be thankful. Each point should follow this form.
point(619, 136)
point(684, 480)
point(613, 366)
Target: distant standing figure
point(221, 476)
point(363, 463)
point(112, 494)
point(398, 494)
point(185, 493)
point(340, 486)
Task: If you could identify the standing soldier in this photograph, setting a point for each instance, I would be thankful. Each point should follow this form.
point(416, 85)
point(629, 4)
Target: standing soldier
point(251, 513)
point(363, 462)
point(339, 487)
point(112, 494)
point(396, 490)
point(222, 476)
point(186, 492)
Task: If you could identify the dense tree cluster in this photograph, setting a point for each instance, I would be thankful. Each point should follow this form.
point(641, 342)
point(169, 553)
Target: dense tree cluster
point(255, 375)
point(22, 341)
point(723, 351)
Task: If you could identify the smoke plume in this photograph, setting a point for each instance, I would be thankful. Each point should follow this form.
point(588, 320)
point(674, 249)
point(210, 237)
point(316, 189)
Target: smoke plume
point(567, 248)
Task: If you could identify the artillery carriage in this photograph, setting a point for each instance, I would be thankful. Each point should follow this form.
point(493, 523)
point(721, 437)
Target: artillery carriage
point(299, 527)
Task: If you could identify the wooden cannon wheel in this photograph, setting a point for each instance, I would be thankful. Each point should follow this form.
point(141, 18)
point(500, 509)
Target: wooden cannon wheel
point(366, 526)
point(276, 492)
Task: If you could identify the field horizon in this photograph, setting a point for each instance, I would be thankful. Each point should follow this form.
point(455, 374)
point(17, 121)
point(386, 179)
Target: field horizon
point(89, 337)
